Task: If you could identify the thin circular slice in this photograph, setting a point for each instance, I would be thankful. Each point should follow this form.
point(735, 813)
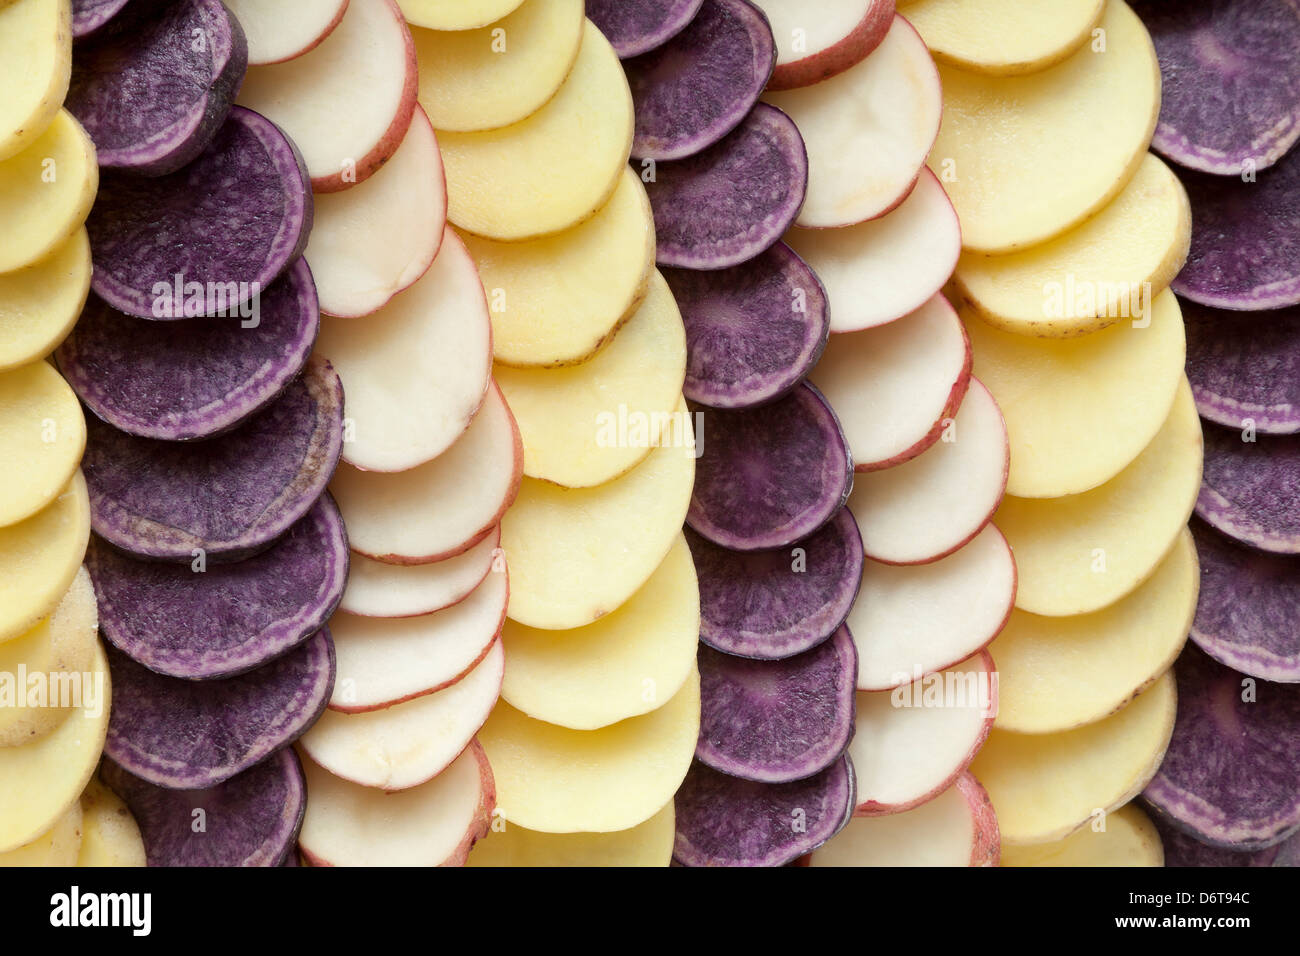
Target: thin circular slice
point(1004, 37)
point(250, 820)
point(777, 721)
point(816, 43)
point(162, 245)
point(1021, 156)
point(626, 664)
point(894, 386)
point(1244, 367)
point(576, 554)
point(877, 271)
point(39, 558)
point(1230, 778)
point(40, 304)
point(770, 605)
point(376, 589)
point(1251, 488)
point(553, 169)
point(43, 434)
point(1079, 410)
point(39, 781)
point(410, 743)
point(559, 780)
point(1128, 838)
point(887, 108)
point(928, 507)
point(57, 846)
point(638, 26)
point(109, 833)
point(35, 62)
point(915, 619)
point(127, 369)
point(1103, 271)
point(646, 844)
point(89, 15)
point(568, 417)
point(498, 74)
point(556, 300)
point(726, 821)
point(1183, 850)
point(434, 824)
point(276, 34)
point(1080, 553)
point(191, 735)
point(753, 330)
point(229, 497)
point(725, 205)
point(456, 14)
point(414, 373)
point(771, 475)
point(443, 507)
point(200, 622)
point(1046, 786)
point(1059, 673)
point(46, 190)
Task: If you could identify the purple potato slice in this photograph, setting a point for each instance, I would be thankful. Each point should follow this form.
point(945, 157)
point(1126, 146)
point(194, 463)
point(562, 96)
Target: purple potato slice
point(634, 27)
point(1182, 850)
point(89, 16)
point(1250, 490)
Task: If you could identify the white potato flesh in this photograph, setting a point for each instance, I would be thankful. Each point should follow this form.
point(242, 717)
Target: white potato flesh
point(376, 589)
point(277, 32)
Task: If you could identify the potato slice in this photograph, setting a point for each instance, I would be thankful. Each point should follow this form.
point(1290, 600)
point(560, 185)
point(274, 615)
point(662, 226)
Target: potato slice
point(456, 14)
point(553, 169)
point(1082, 552)
point(627, 663)
point(1129, 839)
point(558, 299)
point(109, 834)
point(41, 780)
point(1058, 673)
point(646, 844)
point(1004, 37)
point(40, 304)
point(57, 846)
point(497, 75)
point(43, 433)
point(35, 66)
point(1046, 786)
point(576, 554)
point(1079, 410)
point(39, 558)
point(46, 191)
point(559, 780)
point(1024, 158)
point(1099, 273)
point(566, 415)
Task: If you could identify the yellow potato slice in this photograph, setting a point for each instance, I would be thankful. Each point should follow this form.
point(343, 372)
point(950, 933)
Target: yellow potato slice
point(39, 558)
point(1099, 273)
point(1058, 673)
point(46, 192)
point(1129, 839)
point(63, 643)
point(1083, 552)
point(41, 780)
point(558, 299)
point(497, 75)
point(1079, 410)
point(553, 169)
point(35, 66)
point(559, 780)
point(57, 846)
point(109, 834)
point(567, 416)
point(1004, 37)
point(1024, 158)
point(40, 304)
point(1046, 786)
point(455, 14)
point(43, 434)
point(576, 554)
point(626, 664)
point(646, 844)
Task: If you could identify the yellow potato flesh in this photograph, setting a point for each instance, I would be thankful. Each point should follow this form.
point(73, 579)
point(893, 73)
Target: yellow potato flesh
point(1079, 410)
point(646, 844)
point(43, 434)
point(46, 192)
point(556, 300)
point(626, 664)
point(109, 834)
point(39, 558)
point(497, 75)
point(1083, 552)
point(552, 170)
point(1058, 673)
point(567, 415)
point(559, 780)
point(1046, 786)
point(1004, 36)
point(1101, 272)
point(40, 304)
point(57, 846)
point(1025, 158)
point(455, 14)
point(1129, 839)
point(35, 66)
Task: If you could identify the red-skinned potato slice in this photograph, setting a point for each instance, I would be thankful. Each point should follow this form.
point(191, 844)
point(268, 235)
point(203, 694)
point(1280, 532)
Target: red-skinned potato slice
point(277, 31)
point(814, 43)
point(376, 589)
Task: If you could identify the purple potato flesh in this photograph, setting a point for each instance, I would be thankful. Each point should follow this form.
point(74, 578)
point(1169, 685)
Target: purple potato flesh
point(1250, 490)
point(1182, 850)
point(634, 27)
point(90, 15)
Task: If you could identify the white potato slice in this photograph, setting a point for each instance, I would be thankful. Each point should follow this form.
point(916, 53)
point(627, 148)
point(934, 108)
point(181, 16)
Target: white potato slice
point(1004, 37)
point(109, 834)
point(40, 557)
point(277, 32)
point(1127, 838)
point(376, 589)
point(43, 433)
point(646, 844)
point(35, 66)
point(57, 846)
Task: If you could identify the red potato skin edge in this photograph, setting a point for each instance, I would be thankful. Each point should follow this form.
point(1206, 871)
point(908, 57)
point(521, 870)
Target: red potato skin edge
point(835, 59)
point(496, 529)
point(338, 18)
point(987, 849)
